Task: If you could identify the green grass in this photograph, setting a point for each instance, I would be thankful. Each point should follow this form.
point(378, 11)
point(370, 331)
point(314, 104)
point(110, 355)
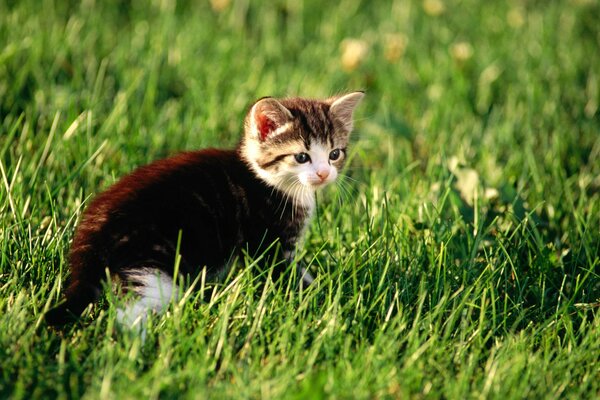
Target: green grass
point(461, 260)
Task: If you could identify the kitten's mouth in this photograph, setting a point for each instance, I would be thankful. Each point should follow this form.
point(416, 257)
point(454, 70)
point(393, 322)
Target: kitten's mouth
point(318, 184)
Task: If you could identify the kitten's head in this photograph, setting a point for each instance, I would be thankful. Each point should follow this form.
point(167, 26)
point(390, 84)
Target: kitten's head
point(298, 145)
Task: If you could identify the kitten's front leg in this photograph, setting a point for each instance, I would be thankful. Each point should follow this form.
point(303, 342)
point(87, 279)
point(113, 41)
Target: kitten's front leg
point(306, 278)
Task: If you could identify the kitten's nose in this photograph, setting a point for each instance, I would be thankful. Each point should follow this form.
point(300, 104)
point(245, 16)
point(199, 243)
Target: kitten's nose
point(323, 173)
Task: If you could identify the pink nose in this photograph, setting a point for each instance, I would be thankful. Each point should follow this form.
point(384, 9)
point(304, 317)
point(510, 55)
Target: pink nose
point(323, 174)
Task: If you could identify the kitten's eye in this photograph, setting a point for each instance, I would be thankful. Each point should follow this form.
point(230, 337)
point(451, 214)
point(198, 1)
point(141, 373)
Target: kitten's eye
point(302, 158)
point(334, 155)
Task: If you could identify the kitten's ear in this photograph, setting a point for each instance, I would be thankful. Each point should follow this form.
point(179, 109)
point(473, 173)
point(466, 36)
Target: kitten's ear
point(343, 107)
point(268, 117)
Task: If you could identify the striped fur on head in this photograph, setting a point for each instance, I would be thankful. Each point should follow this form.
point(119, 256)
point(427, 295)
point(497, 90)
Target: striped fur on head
point(297, 145)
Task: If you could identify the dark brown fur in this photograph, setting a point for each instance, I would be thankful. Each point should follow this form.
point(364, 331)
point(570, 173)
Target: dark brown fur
point(211, 196)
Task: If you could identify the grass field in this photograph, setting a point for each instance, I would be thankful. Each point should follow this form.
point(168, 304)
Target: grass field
point(459, 259)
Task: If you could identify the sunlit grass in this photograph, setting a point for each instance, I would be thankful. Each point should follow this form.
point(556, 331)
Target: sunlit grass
point(458, 259)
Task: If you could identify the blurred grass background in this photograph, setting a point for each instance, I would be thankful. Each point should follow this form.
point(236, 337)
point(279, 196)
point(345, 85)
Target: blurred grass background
point(460, 257)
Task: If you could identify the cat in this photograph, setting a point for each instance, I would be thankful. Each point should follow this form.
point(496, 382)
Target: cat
point(210, 206)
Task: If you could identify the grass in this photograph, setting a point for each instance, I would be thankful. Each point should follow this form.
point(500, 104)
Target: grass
point(460, 259)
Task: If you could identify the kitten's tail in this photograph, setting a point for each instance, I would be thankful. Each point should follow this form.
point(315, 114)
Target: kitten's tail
point(87, 263)
point(77, 298)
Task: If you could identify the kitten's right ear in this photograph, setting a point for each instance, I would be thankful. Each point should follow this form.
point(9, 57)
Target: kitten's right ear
point(343, 107)
point(268, 117)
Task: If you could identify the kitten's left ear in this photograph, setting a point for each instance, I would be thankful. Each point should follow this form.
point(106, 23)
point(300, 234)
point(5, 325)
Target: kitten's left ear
point(343, 107)
point(268, 117)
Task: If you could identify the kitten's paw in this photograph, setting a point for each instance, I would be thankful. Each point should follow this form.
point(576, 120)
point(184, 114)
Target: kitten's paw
point(306, 279)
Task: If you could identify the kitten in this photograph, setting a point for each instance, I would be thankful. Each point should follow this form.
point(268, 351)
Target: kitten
point(210, 205)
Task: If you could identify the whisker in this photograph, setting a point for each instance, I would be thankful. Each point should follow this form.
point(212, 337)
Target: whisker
point(347, 183)
point(287, 197)
point(293, 189)
point(296, 187)
point(347, 177)
point(282, 183)
point(342, 193)
point(282, 199)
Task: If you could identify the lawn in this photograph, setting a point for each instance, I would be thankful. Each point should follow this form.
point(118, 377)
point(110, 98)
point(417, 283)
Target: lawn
point(459, 257)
